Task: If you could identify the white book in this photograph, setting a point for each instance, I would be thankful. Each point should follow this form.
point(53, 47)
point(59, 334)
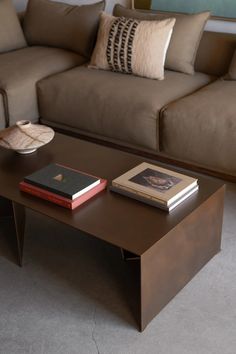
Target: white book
point(153, 202)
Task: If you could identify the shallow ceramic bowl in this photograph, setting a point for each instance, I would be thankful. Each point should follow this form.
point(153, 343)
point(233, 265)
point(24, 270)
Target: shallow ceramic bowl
point(25, 137)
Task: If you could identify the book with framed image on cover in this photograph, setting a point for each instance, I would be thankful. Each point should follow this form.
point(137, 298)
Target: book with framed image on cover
point(155, 185)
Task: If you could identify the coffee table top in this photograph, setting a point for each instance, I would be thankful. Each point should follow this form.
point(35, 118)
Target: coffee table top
point(118, 220)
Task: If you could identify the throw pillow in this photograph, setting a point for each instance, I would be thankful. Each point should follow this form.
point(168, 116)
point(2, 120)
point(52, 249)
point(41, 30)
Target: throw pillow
point(62, 25)
point(185, 39)
point(11, 34)
point(232, 69)
point(131, 46)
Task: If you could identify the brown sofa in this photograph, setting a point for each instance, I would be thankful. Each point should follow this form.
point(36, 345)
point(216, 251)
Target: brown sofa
point(22, 65)
point(187, 119)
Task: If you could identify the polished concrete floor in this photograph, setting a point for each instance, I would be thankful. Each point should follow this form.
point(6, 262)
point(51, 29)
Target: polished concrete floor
point(69, 298)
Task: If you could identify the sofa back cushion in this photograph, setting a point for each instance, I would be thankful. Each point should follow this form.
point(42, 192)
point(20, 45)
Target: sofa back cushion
point(185, 39)
point(62, 25)
point(232, 68)
point(215, 53)
point(11, 34)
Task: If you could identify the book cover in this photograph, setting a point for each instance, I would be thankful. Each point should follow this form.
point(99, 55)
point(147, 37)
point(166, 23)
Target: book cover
point(59, 200)
point(151, 181)
point(62, 180)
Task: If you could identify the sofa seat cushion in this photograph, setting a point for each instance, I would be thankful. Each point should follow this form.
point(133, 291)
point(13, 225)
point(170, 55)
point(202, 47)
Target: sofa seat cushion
point(2, 112)
point(21, 69)
point(118, 106)
point(201, 128)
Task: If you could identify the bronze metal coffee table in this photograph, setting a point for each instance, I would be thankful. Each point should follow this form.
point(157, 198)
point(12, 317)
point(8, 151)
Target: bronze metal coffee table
point(170, 248)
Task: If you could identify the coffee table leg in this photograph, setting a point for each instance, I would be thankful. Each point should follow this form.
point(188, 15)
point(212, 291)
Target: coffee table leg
point(16, 212)
point(19, 218)
point(173, 261)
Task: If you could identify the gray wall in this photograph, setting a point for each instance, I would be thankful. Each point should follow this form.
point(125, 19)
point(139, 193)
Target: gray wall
point(221, 26)
point(21, 4)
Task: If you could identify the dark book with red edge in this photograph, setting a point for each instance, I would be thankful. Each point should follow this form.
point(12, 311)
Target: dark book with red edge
point(63, 181)
point(59, 200)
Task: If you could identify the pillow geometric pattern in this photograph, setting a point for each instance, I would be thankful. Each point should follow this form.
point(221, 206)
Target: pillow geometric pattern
point(119, 47)
point(132, 46)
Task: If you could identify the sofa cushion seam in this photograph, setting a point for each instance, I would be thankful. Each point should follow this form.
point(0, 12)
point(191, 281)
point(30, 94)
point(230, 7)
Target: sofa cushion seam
point(165, 107)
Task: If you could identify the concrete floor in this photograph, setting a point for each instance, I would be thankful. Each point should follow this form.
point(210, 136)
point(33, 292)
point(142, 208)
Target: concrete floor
point(53, 306)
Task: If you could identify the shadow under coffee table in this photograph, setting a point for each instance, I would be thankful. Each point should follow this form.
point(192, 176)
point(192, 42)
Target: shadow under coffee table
point(169, 248)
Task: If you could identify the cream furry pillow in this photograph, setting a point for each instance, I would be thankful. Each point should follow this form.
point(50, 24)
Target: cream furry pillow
point(131, 46)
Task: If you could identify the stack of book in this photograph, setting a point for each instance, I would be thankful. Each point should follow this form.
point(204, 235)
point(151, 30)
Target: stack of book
point(62, 185)
point(155, 186)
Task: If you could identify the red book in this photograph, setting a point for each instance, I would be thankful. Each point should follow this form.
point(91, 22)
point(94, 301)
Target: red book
point(57, 199)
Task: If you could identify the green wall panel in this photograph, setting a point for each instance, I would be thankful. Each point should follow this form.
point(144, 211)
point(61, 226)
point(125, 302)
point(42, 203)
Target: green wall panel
point(222, 8)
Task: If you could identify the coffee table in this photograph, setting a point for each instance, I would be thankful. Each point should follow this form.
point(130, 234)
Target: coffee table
point(169, 249)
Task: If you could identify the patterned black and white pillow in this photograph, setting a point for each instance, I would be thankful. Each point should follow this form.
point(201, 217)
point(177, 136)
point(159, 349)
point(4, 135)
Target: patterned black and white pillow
point(131, 46)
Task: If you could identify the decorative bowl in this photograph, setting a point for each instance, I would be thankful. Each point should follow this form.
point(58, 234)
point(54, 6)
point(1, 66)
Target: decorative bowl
point(25, 137)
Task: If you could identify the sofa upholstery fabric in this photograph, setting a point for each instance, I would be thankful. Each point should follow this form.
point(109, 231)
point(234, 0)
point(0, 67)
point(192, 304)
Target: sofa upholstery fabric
point(121, 11)
point(119, 106)
point(201, 128)
point(62, 25)
point(21, 69)
point(2, 113)
point(11, 34)
point(131, 46)
point(21, 17)
point(232, 69)
point(215, 53)
point(185, 39)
